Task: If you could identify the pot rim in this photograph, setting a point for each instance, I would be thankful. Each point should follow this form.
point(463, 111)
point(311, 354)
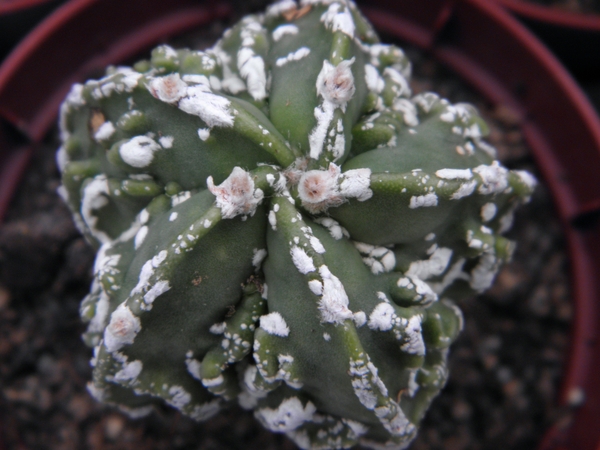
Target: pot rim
point(13, 6)
point(451, 30)
point(554, 16)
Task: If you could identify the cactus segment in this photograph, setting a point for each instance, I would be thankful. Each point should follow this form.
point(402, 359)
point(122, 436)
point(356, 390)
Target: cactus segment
point(282, 223)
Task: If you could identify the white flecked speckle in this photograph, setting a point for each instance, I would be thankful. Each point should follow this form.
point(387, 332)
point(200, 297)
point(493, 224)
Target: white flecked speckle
point(130, 371)
point(356, 184)
point(434, 266)
point(335, 229)
point(273, 220)
point(297, 55)
point(488, 211)
point(302, 261)
point(423, 201)
point(122, 328)
point(334, 300)
point(283, 30)
point(104, 132)
point(211, 108)
point(194, 368)
point(464, 190)
point(252, 69)
point(204, 133)
point(95, 197)
point(258, 257)
point(382, 317)
point(374, 81)
point(529, 180)
point(166, 141)
point(494, 178)
point(180, 198)
point(316, 244)
point(273, 323)
point(288, 416)
point(159, 288)
point(280, 7)
point(454, 174)
point(414, 344)
point(337, 20)
point(360, 318)
point(316, 287)
point(140, 237)
point(139, 151)
point(179, 397)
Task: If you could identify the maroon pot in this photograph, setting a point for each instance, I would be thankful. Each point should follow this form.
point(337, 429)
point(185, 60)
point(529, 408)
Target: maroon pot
point(476, 38)
point(574, 37)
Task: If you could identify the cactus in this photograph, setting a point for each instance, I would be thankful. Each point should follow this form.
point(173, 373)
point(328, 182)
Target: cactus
point(282, 224)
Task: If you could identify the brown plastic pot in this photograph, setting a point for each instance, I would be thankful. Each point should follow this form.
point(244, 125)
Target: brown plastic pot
point(476, 38)
point(573, 37)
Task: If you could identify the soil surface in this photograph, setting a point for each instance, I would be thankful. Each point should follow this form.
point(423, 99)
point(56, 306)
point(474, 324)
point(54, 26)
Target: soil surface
point(505, 367)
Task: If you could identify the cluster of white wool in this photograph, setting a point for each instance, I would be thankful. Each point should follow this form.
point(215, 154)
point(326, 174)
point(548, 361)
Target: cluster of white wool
point(129, 370)
point(122, 79)
point(283, 30)
point(139, 151)
point(366, 382)
point(104, 131)
point(321, 189)
point(193, 97)
point(379, 259)
point(423, 201)
point(274, 323)
point(144, 286)
point(288, 416)
point(296, 55)
point(335, 84)
point(424, 294)
point(334, 302)
point(339, 18)
point(236, 195)
point(250, 65)
point(95, 197)
point(122, 328)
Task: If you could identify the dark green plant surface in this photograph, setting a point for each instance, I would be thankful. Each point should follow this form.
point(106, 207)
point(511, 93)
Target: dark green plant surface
point(281, 223)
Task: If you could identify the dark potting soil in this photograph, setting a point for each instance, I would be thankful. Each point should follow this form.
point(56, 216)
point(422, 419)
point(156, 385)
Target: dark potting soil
point(505, 367)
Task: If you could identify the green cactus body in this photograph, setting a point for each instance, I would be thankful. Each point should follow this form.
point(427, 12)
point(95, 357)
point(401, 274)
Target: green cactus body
point(281, 223)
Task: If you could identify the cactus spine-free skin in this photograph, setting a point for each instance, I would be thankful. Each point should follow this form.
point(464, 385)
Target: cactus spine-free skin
point(281, 223)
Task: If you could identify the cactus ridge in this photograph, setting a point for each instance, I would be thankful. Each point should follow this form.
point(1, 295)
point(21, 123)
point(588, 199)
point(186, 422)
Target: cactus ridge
point(282, 223)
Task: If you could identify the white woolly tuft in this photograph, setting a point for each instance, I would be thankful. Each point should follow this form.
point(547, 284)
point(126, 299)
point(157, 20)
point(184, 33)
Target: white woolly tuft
point(274, 323)
point(236, 195)
point(122, 328)
point(334, 301)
